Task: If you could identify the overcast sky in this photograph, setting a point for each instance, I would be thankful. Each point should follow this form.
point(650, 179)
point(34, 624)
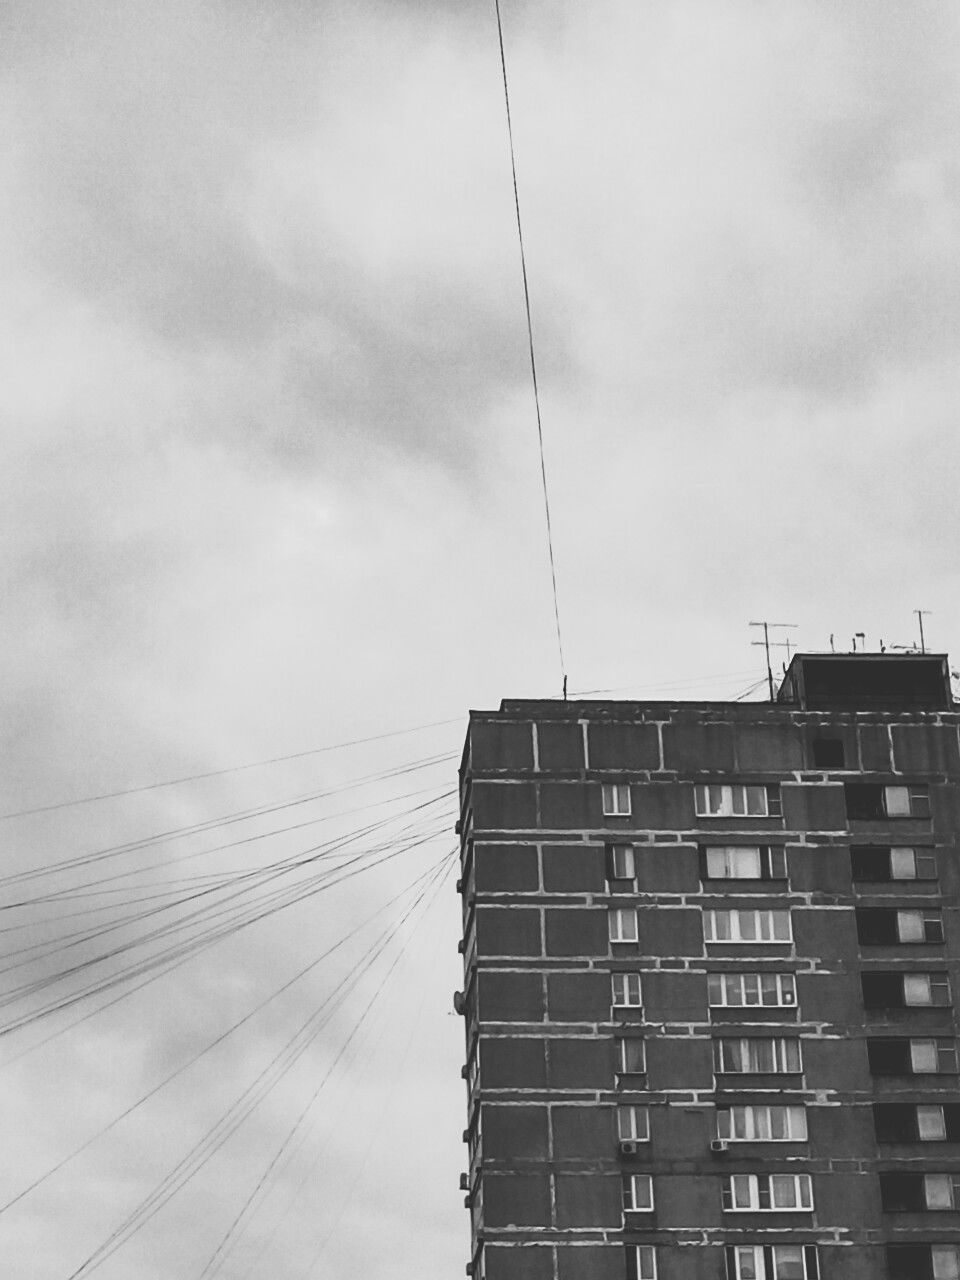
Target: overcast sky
point(271, 483)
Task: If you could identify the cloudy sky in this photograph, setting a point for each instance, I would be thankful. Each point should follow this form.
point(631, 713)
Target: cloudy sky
point(270, 483)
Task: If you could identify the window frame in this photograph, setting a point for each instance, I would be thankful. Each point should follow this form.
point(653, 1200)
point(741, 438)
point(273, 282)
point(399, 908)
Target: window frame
point(771, 914)
point(866, 860)
point(782, 1055)
point(730, 792)
point(623, 1067)
point(765, 1264)
point(726, 1129)
point(631, 1183)
point(641, 1262)
point(627, 982)
point(616, 917)
point(632, 1132)
point(771, 861)
point(628, 853)
point(612, 794)
point(760, 1189)
point(782, 981)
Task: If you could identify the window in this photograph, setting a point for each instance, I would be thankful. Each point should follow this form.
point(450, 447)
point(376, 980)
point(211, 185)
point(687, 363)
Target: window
point(641, 1262)
point(620, 862)
point(872, 802)
point(735, 800)
point(875, 864)
point(616, 800)
point(931, 1123)
point(633, 1124)
point(626, 990)
point(637, 1193)
point(631, 1056)
point(743, 990)
point(754, 1055)
point(906, 1122)
point(744, 862)
point(941, 1191)
point(622, 924)
point(747, 926)
point(767, 1193)
point(886, 926)
point(828, 753)
point(766, 1123)
point(901, 1057)
point(923, 1262)
point(905, 991)
point(773, 1262)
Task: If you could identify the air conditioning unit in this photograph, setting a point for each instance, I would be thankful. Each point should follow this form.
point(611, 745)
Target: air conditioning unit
point(719, 1146)
point(628, 1148)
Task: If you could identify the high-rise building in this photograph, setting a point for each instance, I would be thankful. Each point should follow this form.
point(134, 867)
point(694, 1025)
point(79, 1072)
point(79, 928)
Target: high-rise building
point(711, 982)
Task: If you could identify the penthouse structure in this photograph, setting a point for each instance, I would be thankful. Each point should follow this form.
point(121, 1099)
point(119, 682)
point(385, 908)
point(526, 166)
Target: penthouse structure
point(711, 981)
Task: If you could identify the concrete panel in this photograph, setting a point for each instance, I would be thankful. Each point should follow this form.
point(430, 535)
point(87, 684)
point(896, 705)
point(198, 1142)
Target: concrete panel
point(874, 748)
point(845, 1132)
point(500, 744)
point(835, 1064)
point(577, 931)
point(570, 805)
point(830, 936)
point(580, 1064)
point(823, 868)
point(508, 931)
point(675, 997)
point(590, 1262)
point(589, 1200)
point(925, 749)
point(578, 997)
point(518, 1262)
point(844, 1198)
point(620, 745)
point(679, 1064)
point(689, 1200)
point(663, 806)
point(694, 1262)
point(695, 747)
point(670, 931)
point(573, 868)
point(828, 997)
point(674, 869)
point(516, 1199)
point(503, 806)
point(505, 868)
point(560, 745)
point(510, 997)
point(514, 1133)
point(512, 1062)
point(811, 807)
point(769, 747)
point(584, 1133)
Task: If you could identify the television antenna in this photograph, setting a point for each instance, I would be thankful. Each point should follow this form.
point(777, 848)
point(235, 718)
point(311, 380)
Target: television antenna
point(920, 616)
point(775, 644)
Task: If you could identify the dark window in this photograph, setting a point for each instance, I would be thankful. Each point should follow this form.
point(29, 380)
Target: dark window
point(909, 1262)
point(828, 753)
point(902, 1192)
point(869, 863)
point(876, 926)
point(882, 990)
point(895, 1121)
point(864, 800)
point(889, 1057)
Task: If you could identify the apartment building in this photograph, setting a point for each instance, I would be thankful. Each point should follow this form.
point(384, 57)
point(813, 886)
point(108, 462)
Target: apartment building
point(711, 979)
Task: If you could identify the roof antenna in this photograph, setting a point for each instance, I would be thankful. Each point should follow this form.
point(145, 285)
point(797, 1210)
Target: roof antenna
point(920, 613)
point(564, 687)
point(777, 644)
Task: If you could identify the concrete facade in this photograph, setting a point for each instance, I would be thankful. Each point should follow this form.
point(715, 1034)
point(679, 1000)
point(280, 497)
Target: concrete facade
point(769, 921)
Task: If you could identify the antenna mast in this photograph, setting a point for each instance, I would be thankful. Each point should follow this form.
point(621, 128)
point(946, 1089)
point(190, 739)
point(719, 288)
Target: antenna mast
point(777, 644)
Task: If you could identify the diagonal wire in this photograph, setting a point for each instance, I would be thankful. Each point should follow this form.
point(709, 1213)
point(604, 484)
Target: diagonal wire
point(533, 361)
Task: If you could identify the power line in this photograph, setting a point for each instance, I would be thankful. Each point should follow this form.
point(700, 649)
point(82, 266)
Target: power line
point(533, 362)
point(217, 773)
